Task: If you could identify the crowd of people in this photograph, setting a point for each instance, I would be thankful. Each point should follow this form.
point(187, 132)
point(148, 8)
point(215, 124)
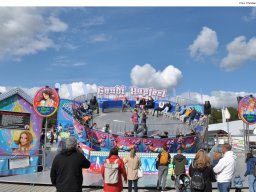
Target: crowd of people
point(202, 172)
point(66, 172)
point(186, 114)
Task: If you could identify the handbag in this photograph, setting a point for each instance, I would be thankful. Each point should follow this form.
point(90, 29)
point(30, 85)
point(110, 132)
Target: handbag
point(173, 177)
point(140, 172)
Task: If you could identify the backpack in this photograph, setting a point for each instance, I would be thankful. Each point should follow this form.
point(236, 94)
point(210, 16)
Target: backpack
point(164, 158)
point(197, 180)
point(111, 172)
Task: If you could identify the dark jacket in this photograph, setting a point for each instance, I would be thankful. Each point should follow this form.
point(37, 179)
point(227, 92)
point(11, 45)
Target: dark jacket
point(66, 173)
point(207, 109)
point(144, 118)
point(179, 163)
point(192, 114)
point(250, 166)
point(208, 174)
point(150, 103)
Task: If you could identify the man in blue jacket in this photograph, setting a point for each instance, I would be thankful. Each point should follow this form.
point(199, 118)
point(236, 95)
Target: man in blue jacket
point(250, 171)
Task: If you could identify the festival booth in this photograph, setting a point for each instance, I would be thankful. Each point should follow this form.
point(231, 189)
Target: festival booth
point(19, 134)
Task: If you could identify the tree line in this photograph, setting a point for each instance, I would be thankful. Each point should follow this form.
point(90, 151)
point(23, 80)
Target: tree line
point(216, 115)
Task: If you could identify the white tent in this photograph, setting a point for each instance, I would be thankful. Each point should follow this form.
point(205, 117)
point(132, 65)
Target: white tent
point(236, 128)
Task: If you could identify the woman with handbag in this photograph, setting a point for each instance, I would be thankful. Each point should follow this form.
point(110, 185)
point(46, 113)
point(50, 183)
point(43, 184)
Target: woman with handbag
point(133, 170)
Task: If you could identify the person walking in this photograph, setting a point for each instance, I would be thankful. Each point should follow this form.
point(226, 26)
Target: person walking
point(113, 166)
point(133, 164)
point(201, 173)
point(179, 162)
point(66, 172)
point(225, 168)
point(164, 160)
point(250, 168)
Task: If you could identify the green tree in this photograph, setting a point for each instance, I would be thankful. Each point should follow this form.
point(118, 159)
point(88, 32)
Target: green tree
point(51, 121)
point(216, 115)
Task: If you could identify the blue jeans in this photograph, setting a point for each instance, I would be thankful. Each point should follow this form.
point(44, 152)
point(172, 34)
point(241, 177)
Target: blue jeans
point(224, 187)
point(162, 175)
point(251, 183)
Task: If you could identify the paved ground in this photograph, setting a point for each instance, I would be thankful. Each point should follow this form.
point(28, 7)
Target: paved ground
point(95, 180)
point(30, 188)
point(121, 122)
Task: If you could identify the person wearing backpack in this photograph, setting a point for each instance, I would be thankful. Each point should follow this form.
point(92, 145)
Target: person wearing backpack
point(133, 164)
point(225, 168)
point(112, 171)
point(164, 159)
point(251, 171)
point(179, 162)
point(201, 173)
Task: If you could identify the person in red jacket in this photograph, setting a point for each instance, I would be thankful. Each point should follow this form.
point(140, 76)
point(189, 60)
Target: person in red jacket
point(118, 187)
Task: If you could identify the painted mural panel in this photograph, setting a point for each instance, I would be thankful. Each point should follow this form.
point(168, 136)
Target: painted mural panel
point(46, 101)
point(148, 161)
point(247, 109)
point(19, 134)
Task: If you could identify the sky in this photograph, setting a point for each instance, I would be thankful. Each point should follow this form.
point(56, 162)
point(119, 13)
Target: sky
point(205, 53)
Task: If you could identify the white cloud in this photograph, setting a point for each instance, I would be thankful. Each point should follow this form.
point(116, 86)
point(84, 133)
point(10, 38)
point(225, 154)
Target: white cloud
point(252, 15)
point(147, 76)
point(217, 98)
point(34, 46)
point(99, 38)
point(57, 25)
point(93, 22)
point(75, 89)
point(26, 30)
point(205, 44)
point(3, 89)
point(70, 91)
point(67, 91)
point(65, 62)
point(239, 51)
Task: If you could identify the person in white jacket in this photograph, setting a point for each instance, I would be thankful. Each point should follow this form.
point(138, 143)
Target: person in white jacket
point(225, 169)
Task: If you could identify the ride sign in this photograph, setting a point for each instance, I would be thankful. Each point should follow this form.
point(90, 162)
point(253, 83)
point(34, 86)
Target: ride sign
point(247, 109)
point(46, 101)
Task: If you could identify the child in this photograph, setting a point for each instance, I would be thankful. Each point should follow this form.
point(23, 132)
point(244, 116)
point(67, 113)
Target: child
point(238, 183)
